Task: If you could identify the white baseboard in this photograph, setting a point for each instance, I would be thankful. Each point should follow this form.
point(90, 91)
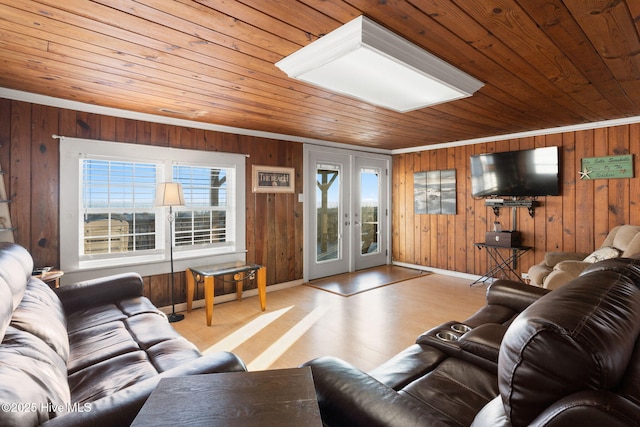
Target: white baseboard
point(271, 288)
point(441, 271)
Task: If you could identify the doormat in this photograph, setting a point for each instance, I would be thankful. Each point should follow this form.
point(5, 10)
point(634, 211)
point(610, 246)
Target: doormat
point(348, 284)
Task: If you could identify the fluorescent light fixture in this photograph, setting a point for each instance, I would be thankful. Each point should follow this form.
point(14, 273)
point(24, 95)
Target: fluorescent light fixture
point(366, 61)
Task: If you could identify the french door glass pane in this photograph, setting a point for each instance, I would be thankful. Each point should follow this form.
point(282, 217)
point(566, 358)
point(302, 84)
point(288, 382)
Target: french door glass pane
point(328, 212)
point(369, 207)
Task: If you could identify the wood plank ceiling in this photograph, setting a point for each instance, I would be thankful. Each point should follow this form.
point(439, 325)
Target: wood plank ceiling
point(546, 63)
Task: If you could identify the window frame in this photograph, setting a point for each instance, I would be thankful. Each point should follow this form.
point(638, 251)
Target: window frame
point(73, 150)
point(101, 259)
point(230, 218)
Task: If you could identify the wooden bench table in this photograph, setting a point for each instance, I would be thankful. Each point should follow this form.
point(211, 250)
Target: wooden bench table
point(240, 271)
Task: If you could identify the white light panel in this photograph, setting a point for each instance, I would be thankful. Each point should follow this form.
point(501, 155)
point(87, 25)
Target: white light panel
point(366, 61)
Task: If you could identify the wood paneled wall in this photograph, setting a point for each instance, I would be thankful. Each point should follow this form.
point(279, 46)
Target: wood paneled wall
point(30, 158)
point(578, 220)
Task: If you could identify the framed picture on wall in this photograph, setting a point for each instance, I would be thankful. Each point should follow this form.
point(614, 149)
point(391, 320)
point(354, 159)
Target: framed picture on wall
point(434, 192)
point(273, 179)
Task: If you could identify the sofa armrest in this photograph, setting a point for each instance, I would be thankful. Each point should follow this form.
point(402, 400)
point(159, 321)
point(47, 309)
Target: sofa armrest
point(103, 290)
point(573, 267)
point(512, 294)
point(553, 258)
point(122, 407)
point(597, 408)
point(484, 341)
point(590, 407)
point(350, 397)
point(411, 363)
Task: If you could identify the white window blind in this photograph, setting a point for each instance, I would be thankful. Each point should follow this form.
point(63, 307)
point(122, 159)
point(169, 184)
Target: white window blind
point(109, 220)
point(208, 216)
point(118, 206)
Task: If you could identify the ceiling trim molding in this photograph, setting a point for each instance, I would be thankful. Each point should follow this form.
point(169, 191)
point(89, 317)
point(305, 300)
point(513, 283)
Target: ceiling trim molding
point(50, 101)
point(539, 132)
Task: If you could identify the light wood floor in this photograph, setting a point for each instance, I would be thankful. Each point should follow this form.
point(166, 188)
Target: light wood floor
point(302, 323)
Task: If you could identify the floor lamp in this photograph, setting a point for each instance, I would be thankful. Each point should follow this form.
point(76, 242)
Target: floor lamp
point(170, 194)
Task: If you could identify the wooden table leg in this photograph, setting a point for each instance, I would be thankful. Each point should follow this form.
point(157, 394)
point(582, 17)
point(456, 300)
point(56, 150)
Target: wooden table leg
point(239, 283)
point(190, 288)
point(262, 287)
point(208, 298)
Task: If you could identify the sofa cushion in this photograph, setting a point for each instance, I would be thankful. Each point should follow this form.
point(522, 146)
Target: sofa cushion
point(455, 390)
point(581, 336)
point(631, 384)
point(605, 252)
point(93, 316)
point(100, 291)
point(624, 237)
point(168, 354)
point(110, 376)
point(138, 305)
point(6, 306)
point(33, 379)
point(149, 329)
point(93, 345)
point(16, 266)
point(40, 313)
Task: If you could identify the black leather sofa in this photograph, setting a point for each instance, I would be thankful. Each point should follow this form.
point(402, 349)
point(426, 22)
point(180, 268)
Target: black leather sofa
point(87, 354)
point(567, 357)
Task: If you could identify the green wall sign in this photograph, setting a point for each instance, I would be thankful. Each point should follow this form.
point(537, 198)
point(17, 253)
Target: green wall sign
point(607, 167)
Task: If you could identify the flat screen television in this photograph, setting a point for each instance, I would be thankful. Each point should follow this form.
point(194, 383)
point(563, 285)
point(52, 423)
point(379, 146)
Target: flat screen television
point(523, 173)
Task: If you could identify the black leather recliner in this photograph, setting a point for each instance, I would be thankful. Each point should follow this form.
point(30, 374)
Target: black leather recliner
point(569, 358)
point(445, 378)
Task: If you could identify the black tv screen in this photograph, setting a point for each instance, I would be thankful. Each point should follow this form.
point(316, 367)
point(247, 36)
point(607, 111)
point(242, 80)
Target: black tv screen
point(524, 173)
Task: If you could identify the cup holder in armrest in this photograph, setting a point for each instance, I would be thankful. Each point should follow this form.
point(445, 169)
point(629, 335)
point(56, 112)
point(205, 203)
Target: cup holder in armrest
point(461, 328)
point(447, 336)
point(456, 339)
point(442, 336)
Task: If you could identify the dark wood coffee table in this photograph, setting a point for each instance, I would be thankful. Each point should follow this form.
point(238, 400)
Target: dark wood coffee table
point(281, 397)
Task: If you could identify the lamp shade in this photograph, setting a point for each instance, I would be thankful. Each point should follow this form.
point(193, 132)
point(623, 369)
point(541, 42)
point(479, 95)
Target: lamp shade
point(169, 194)
point(366, 61)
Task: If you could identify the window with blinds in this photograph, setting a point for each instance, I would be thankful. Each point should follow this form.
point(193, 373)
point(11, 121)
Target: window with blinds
point(207, 218)
point(118, 206)
point(108, 213)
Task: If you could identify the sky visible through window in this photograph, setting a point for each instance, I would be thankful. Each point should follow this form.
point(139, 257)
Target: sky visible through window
point(369, 191)
point(117, 185)
point(114, 184)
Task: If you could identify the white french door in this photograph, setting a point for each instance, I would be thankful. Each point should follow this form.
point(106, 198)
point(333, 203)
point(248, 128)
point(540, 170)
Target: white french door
point(346, 215)
point(370, 213)
point(329, 214)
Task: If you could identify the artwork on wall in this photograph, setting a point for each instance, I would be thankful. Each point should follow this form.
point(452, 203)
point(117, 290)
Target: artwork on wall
point(434, 192)
point(271, 179)
point(607, 167)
